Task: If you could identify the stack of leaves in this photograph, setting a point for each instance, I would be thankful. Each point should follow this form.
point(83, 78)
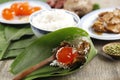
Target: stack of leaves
point(14, 39)
point(42, 48)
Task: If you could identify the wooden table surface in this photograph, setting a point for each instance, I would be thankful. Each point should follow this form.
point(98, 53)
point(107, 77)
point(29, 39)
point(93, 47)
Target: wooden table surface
point(102, 67)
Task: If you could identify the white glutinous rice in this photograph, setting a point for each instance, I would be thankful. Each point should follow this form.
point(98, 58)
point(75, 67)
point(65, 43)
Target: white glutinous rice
point(53, 20)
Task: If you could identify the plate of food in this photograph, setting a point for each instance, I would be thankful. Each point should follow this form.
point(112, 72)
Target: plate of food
point(103, 24)
point(18, 12)
point(63, 55)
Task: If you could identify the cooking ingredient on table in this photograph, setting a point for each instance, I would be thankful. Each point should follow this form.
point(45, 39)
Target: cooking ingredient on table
point(11, 39)
point(51, 44)
point(108, 22)
point(96, 6)
point(70, 54)
point(56, 3)
point(19, 9)
point(66, 55)
point(54, 19)
point(80, 7)
point(112, 49)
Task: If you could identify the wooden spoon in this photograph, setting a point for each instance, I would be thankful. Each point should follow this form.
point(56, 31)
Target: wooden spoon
point(35, 67)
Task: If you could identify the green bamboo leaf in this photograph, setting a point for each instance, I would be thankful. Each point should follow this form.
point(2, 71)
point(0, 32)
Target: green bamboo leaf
point(10, 34)
point(22, 43)
point(12, 53)
point(17, 47)
point(3, 43)
point(42, 48)
point(15, 33)
point(2, 37)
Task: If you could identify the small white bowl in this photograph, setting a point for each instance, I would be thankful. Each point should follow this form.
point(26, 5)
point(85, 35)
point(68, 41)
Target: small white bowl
point(39, 31)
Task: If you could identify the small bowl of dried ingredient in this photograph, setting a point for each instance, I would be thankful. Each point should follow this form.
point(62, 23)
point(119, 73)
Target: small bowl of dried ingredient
point(112, 49)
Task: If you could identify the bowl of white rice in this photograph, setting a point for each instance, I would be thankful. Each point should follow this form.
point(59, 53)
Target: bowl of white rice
point(45, 21)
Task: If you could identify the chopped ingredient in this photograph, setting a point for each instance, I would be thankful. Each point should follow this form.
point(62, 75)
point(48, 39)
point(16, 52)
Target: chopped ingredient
point(96, 6)
point(33, 9)
point(80, 7)
point(19, 9)
point(112, 49)
point(54, 19)
point(8, 14)
point(108, 22)
point(66, 55)
point(70, 54)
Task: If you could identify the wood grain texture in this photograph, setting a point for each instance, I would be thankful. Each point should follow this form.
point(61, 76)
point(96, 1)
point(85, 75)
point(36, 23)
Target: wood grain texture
point(102, 67)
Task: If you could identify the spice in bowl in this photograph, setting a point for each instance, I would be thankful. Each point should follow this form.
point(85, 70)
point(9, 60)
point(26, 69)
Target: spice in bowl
point(112, 49)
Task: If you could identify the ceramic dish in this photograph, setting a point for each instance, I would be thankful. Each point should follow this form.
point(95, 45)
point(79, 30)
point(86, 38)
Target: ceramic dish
point(57, 21)
point(22, 19)
point(112, 49)
point(88, 20)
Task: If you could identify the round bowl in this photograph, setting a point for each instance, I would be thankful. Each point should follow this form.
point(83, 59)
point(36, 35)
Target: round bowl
point(112, 49)
point(40, 27)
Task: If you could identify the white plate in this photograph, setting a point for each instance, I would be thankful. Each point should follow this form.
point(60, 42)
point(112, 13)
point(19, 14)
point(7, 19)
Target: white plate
point(88, 20)
point(24, 19)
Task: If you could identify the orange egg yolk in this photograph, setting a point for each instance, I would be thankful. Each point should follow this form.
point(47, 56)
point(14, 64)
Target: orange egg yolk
point(8, 14)
point(19, 9)
point(66, 55)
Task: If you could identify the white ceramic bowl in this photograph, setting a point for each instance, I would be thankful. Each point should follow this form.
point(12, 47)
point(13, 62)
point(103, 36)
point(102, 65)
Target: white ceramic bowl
point(38, 31)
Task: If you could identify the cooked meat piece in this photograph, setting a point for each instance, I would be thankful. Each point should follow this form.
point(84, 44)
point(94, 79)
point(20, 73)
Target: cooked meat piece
point(108, 22)
point(106, 16)
point(116, 12)
point(114, 20)
point(99, 26)
point(83, 48)
point(114, 28)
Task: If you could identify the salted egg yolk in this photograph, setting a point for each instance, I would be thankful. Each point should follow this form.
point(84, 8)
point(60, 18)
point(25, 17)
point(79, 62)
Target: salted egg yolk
point(66, 55)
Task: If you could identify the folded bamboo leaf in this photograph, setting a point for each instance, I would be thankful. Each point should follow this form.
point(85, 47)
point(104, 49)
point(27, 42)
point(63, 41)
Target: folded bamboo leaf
point(4, 50)
point(17, 47)
point(3, 43)
point(14, 33)
point(12, 53)
point(11, 32)
point(22, 43)
point(42, 48)
point(2, 37)
point(11, 36)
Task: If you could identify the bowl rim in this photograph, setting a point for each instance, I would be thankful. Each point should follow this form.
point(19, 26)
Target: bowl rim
point(108, 44)
point(76, 18)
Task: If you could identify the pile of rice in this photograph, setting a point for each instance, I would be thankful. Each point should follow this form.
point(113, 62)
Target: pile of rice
point(53, 20)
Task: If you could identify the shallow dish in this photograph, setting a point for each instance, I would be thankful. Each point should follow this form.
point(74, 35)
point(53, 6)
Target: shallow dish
point(22, 19)
point(112, 49)
point(88, 20)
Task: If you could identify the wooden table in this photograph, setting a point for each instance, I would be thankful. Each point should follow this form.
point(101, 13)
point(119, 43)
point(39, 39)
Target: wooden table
point(101, 67)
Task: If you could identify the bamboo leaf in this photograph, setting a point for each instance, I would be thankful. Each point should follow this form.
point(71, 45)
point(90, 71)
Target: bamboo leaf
point(17, 47)
point(13, 53)
point(11, 38)
point(22, 43)
point(13, 33)
point(3, 43)
point(42, 48)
